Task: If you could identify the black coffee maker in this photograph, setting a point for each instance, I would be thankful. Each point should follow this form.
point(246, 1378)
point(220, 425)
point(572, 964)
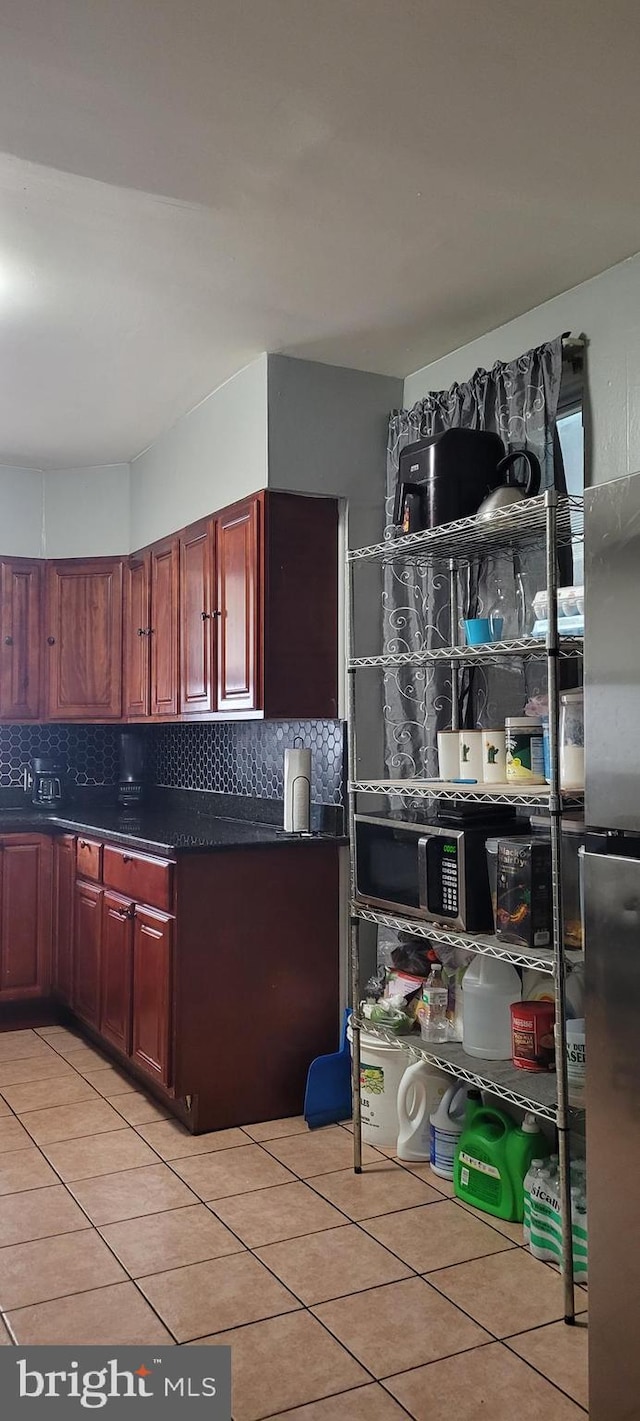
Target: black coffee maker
point(47, 781)
point(447, 476)
point(132, 778)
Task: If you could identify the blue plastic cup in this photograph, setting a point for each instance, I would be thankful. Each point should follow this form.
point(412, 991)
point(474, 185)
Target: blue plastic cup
point(479, 630)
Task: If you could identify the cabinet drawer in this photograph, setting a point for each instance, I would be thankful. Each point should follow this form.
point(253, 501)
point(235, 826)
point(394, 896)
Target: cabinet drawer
point(89, 859)
point(148, 880)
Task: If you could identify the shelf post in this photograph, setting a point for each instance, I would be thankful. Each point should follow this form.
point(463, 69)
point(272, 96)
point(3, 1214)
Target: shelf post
point(559, 967)
point(354, 925)
point(453, 615)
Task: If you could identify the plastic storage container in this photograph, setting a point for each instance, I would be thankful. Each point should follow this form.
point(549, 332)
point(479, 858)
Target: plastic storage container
point(488, 989)
point(573, 838)
point(382, 1066)
point(572, 740)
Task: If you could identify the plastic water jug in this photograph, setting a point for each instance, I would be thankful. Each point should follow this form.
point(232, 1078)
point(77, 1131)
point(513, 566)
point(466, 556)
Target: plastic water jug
point(419, 1094)
point(488, 989)
point(446, 1127)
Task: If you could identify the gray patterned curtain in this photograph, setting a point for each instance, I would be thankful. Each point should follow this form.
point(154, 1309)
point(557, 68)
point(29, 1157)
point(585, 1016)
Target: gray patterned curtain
point(517, 400)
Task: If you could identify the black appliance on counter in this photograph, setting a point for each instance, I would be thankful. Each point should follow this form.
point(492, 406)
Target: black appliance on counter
point(47, 781)
point(431, 866)
point(132, 778)
point(448, 475)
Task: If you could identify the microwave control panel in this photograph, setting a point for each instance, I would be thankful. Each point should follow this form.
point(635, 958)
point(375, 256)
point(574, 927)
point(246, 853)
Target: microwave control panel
point(442, 876)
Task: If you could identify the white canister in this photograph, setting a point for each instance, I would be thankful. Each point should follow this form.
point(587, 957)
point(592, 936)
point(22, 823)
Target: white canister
point(470, 762)
point(494, 770)
point(448, 754)
point(297, 791)
point(576, 1054)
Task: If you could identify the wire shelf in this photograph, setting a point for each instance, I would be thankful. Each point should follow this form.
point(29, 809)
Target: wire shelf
point(528, 1090)
point(525, 796)
point(489, 653)
point(485, 944)
point(468, 539)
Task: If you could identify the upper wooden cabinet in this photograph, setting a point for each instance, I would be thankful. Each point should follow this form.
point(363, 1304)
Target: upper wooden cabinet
point(198, 617)
point(137, 635)
point(20, 639)
point(83, 624)
point(238, 583)
point(163, 635)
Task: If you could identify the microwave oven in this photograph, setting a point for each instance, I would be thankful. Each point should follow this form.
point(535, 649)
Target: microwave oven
point(432, 870)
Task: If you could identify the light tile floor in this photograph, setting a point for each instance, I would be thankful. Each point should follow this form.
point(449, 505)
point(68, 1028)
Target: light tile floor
point(344, 1298)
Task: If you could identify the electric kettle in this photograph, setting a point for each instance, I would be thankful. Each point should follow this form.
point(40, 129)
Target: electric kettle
point(509, 493)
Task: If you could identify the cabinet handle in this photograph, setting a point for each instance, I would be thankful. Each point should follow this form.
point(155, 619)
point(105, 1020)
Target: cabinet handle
point(8, 641)
point(216, 614)
point(126, 858)
point(149, 631)
point(51, 641)
point(206, 616)
point(140, 631)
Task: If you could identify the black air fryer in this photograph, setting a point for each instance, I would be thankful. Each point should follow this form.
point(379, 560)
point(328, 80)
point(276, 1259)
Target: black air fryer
point(447, 476)
point(132, 777)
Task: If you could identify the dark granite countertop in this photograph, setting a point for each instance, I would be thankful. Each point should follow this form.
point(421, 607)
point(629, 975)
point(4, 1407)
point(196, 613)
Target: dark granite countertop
point(166, 829)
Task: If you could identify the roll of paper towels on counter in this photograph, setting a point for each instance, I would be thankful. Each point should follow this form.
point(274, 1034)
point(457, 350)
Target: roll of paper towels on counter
point(297, 791)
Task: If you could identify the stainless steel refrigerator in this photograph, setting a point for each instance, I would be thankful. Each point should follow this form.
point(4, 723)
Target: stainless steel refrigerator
point(612, 943)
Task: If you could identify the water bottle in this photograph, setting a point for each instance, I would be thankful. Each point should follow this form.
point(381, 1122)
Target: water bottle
point(533, 1173)
point(433, 1008)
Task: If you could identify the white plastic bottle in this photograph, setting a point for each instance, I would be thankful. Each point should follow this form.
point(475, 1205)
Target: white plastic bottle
point(545, 1236)
point(533, 1172)
point(419, 1094)
point(446, 1128)
point(434, 1025)
point(488, 989)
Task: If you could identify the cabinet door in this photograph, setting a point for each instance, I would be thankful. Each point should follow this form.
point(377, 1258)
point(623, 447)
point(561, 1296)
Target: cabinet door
point(84, 640)
point(25, 916)
point(164, 628)
point(152, 953)
point(87, 936)
point(64, 876)
point(115, 970)
point(137, 626)
point(197, 620)
point(20, 640)
point(237, 554)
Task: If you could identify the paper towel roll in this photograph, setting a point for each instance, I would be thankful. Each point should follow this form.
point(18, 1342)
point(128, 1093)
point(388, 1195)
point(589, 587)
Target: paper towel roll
point(297, 791)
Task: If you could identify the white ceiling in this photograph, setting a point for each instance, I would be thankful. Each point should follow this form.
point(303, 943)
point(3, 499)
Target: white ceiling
point(370, 182)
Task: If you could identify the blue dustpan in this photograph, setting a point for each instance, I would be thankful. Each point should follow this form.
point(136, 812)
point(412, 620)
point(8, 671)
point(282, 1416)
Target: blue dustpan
point(327, 1098)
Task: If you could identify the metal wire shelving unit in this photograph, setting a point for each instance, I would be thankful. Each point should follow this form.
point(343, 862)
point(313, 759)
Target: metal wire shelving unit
point(556, 521)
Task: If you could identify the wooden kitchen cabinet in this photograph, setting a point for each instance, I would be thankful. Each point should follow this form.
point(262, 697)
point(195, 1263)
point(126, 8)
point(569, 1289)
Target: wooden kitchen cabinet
point(238, 583)
point(64, 879)
point(87, 942)
point(152, 975)
point(137, 636)
point(20, 639)
point(25, 916)
point(83, 625)
point(163, 635)
point(199, 617)
point(115, 970)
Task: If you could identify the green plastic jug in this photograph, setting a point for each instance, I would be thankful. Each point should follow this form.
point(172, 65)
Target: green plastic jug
point(492, 1158)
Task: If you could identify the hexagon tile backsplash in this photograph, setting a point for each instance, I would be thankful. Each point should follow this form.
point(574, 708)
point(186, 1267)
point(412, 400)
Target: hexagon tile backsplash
point(242, 757)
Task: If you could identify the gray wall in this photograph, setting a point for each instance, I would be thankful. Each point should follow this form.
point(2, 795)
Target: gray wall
point(212, 456)
point(328, 435)
point(607, 310)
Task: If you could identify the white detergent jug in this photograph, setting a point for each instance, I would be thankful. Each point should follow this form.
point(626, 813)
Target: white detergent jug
point(419, 1094)
point(488, 989)
point(446, 1128)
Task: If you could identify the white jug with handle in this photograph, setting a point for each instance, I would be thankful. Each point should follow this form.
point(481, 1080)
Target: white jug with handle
point(446, 1128)
point(420, 1091)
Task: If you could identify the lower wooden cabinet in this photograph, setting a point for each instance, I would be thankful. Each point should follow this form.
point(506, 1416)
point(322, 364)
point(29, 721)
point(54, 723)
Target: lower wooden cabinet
point(64, 882)
point(152, 972)
point(25, 916)
point(87, 939)
point(115, 970)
